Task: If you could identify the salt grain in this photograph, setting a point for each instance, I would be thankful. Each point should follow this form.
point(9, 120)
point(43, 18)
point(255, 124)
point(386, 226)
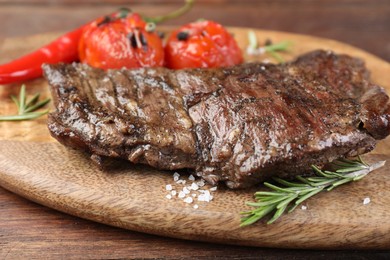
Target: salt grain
point(304, 207)
point(188, 200)
point(186, 190)
point(200, 183)
point(181, 194)
point(181, 182)
point(194, 186)
point(194, 189)
point(366, 201)
point(176, 176)
point(205, 196)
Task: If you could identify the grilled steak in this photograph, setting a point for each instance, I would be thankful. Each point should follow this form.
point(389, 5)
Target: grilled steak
point(239, 125)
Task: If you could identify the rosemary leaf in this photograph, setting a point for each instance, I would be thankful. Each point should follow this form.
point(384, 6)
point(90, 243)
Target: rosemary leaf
point(33, 100)
point(351, 169)
point(276, 188)
point(26, 116)
point(289, 184)
point(277, 214)
point(26, 109)
point(308, 195)
point(276, 56)
point(15, 100)
point(287, 201)
point(266, 193)
point(37, 105)
point(22, 100)
point(266, 203)
point(281, 46)
point(253, 47)
point(252, 40)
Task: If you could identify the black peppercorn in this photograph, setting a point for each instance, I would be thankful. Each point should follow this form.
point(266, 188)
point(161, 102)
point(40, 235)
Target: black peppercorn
point(183, 36)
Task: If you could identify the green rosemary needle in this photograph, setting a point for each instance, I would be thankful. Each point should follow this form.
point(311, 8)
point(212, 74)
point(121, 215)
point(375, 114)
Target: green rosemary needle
point(289, 195)
point(272, 49)
point(27, 109)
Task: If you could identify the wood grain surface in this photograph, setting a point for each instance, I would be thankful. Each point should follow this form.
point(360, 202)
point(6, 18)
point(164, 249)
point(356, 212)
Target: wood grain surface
point(133, 197)
point(29, 230)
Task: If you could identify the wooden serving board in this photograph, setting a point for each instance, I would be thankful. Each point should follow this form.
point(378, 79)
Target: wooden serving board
point(35, 166)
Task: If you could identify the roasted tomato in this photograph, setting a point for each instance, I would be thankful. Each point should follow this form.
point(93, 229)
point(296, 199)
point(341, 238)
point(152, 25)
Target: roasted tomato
point(202, 44)
point(121, 40)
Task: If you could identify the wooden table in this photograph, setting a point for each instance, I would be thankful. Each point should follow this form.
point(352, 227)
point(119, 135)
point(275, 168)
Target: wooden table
point(28, 230)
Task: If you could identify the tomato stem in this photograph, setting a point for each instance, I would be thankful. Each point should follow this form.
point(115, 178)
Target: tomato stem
point(162, 18)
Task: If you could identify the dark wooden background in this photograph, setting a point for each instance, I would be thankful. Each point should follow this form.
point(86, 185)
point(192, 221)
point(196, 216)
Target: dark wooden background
point(362, 23)
point(28, 230)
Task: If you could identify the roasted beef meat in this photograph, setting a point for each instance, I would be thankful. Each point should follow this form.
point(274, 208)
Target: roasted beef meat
point(238, 125)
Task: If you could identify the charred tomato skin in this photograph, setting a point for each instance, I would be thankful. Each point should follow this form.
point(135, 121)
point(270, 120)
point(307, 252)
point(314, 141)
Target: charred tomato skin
point(114, 42)
point(202, 44)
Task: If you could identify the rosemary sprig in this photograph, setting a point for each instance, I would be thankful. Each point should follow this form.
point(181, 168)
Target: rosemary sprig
point(162, 18)
point(289, 195)
point(26, 108)
point(272, 49)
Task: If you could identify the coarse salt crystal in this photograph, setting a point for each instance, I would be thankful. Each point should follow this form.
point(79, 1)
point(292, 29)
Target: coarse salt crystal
point(194, 186)
point(181, 194)
point(186, 190)
point(191, 177)
point(200, 183)
point(188, 200)
point(304, 207)
point(169, 196)
point(173, 193)
point(206, 196)
point(176, 176)
point(168, 187)
point(194, 195)
point(366, 201)
point(203, 197)
point(196, 206)
point(181, 182)
point(213, 188)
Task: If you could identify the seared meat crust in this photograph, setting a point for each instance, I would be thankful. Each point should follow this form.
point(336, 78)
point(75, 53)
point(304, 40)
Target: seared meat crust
point(239, 125)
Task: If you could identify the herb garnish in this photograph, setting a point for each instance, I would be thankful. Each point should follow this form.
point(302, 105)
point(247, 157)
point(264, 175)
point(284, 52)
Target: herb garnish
point(26, 108)
point(272, 49)
point(184, 9)
point(294, 193)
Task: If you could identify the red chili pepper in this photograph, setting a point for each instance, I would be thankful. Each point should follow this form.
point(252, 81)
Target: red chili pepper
point(63, 49)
